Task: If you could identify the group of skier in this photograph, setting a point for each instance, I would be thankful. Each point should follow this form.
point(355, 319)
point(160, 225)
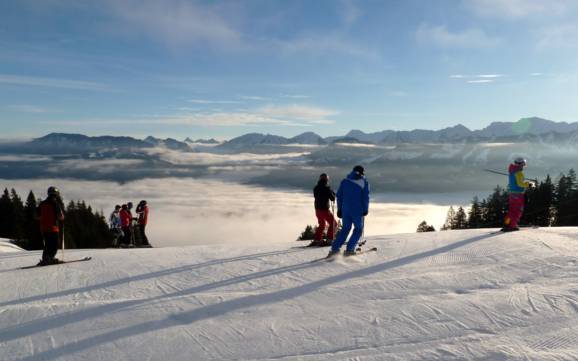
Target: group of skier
point(352, 200)
point(50, 213)
point(123, 225)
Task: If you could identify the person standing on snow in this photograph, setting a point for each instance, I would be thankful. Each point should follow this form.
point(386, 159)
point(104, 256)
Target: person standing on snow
point(516, 188)
point(125, 223)
point(142, 210)
point(352, 207)
point(323, 195)
point(51, 215)
point(115, 225)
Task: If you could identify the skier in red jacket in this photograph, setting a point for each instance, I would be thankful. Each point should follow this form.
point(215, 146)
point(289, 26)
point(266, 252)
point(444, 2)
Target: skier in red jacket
point(142, 210)
point(125, 223)
point(51, 215)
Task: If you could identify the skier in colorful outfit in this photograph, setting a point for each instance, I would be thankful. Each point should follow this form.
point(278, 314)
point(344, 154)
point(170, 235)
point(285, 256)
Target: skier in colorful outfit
point(323, 195)
point(51, 215)
point(516, 188)
point(352, 207)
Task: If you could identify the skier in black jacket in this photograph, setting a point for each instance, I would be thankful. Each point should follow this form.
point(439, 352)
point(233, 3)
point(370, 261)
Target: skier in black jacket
point(323, 195)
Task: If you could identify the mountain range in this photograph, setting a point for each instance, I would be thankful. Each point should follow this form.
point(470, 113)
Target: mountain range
point(524, 130)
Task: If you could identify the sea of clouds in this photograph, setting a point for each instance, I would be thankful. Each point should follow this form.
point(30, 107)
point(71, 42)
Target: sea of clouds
point(186, 211)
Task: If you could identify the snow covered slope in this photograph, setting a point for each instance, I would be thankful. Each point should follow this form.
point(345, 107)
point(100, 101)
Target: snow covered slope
point(7, 246)
point(456, 295)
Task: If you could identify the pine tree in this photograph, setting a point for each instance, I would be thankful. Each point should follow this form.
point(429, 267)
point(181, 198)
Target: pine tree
point(424, 227)
point(460, 219)
point(475, 215)
point(17, 216)
point(31, 224)
point(497, 205)
point(449, 223)
point(6, 215)
point(565, 190)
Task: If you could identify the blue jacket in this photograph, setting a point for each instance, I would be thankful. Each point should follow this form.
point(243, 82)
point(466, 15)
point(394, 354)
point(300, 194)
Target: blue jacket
point(353, 195)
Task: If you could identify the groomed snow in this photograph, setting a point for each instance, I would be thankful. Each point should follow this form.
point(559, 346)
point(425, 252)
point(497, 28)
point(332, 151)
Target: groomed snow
point(7, 246)
point(455, 295)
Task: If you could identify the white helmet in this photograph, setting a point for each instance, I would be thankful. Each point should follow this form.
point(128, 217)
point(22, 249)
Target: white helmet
point(520, 161)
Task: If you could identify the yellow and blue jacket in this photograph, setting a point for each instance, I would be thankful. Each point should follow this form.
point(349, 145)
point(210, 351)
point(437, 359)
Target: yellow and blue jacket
point(516, 182)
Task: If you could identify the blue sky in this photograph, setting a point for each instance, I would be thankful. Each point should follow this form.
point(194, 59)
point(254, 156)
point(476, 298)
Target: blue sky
point(223, 68)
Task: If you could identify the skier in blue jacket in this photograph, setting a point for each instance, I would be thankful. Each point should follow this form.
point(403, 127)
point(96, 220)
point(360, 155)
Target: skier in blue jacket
point(352, 206)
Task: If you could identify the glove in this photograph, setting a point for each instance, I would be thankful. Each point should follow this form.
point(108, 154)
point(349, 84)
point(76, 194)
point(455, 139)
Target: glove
point(339, 213)
point(365, 214)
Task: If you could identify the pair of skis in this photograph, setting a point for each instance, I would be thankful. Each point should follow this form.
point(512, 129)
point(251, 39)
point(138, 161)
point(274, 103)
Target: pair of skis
point(62, 262)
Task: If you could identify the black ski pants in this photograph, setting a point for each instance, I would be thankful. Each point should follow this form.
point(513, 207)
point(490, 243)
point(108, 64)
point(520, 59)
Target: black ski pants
point(145, 240)
point(51, 241)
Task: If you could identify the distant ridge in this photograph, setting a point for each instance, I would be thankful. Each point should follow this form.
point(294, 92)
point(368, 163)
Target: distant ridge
point(525, 129)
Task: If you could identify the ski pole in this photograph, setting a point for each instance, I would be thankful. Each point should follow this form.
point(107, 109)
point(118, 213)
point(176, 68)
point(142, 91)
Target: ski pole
point(62, 242)
point(535, 180)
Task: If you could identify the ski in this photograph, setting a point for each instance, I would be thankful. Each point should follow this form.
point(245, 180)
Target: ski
point(54, 264)
point(367, 250)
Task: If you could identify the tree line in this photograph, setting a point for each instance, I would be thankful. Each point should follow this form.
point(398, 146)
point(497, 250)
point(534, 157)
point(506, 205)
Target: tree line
point(83, 228)
point(547, 204)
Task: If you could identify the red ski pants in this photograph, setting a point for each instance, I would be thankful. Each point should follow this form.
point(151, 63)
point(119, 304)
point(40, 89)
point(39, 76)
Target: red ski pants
point(324, 217)
point(515, 209)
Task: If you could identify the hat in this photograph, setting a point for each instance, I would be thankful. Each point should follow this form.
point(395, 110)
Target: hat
point(520, 161)
point(358, 169)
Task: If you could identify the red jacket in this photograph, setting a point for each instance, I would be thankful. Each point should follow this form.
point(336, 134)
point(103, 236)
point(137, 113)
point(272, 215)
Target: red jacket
point(125, 217)
point(143, 214)
point(50, 214)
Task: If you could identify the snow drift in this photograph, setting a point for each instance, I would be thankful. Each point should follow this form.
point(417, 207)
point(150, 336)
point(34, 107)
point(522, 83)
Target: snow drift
point(455, 295)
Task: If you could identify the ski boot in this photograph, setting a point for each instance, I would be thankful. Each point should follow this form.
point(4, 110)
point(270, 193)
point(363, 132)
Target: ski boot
point(349, 253)
point(332, 254)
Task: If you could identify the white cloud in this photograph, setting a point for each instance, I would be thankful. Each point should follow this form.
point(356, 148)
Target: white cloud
point(207, 101)
point(176, 23)
point(440, 36)
point(322, 44)
point(27, 108)
point(199, 211)
point(299, 112)
point(50, 82)
point(517, 9)
point(295, 96)
point(480, 81)
point(490, 75)
point(288, 115)
point(559, 36)
point(253, 97)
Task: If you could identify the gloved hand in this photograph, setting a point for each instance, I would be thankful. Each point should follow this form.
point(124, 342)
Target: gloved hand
point(339, 213)
point(365, 214)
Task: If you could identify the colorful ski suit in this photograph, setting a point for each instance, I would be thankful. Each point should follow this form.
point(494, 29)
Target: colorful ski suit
point(516, 198)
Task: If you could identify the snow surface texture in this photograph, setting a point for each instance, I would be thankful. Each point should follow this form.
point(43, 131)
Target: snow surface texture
point(455, 295)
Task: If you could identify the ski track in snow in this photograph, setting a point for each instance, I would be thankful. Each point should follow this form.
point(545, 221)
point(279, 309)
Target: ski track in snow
point(455, 295)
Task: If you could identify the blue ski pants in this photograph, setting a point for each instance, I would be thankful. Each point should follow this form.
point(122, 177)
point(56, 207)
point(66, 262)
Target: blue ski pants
point(348, 221)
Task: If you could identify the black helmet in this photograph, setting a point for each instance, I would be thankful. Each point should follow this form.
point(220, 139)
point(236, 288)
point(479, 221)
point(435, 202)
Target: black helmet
point(142, 203)
point(53, 191)
point(358, 169)
point(129, 205)
point(117, 207)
